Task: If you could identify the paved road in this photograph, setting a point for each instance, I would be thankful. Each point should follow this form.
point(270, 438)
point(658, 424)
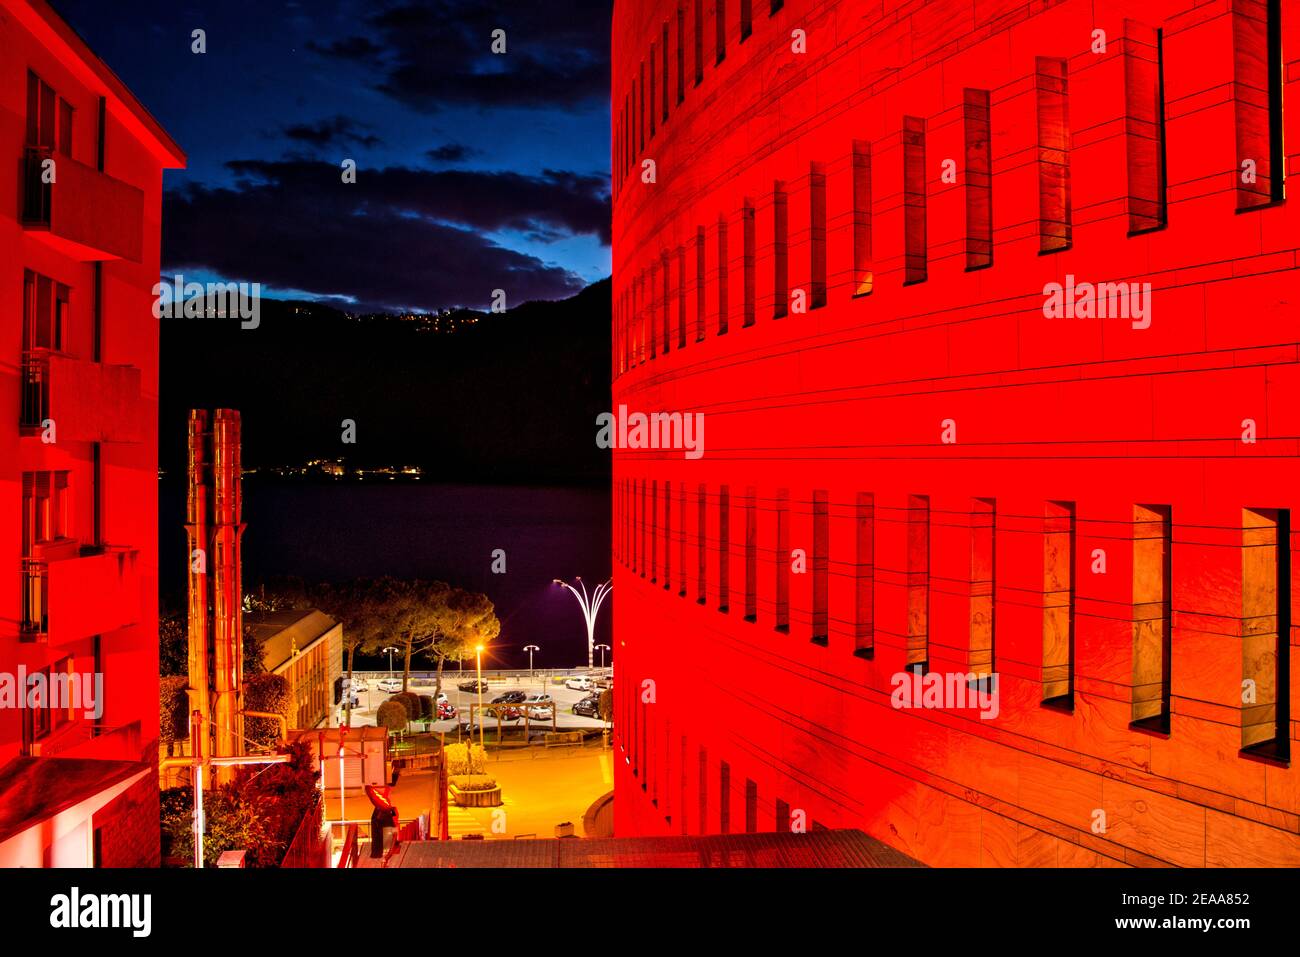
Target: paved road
point(372, 698)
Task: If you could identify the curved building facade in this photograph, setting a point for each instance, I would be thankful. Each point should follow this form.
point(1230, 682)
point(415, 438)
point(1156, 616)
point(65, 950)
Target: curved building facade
point(967, 516)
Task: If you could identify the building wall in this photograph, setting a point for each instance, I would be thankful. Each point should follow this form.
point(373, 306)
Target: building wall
point(101, 586)
point(976, 486)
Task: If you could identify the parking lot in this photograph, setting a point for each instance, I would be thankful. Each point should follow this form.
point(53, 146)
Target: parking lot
point(497, 684)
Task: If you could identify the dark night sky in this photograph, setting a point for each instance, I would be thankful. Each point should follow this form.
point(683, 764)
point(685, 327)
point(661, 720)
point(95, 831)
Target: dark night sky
point(475, 171)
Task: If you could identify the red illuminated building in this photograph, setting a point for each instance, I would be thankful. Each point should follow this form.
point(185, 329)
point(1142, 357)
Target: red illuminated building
point(897, 254)
point(79, 257)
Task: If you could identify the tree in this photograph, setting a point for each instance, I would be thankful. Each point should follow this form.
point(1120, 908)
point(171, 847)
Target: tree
point(363, 607)
point(462, 620)
point(392, 715)
point(269, 693)
point(173, 644)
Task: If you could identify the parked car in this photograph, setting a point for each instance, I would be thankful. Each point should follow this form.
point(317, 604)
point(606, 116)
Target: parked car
point(504, 713)
point(510, 697)
point(580, 683)
point(446, 710)
point(389, 685)
point(472, 685)
point(588, 707)
point(357, 685)
point(540, 707)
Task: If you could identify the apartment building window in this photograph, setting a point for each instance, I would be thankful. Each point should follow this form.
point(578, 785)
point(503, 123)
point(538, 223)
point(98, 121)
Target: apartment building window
point(747, 230)
point(667, 301)
point(979, 179)
point(652, 309)
point(40, 716)
point(46, 503)
point(652, 90)
point(783, 821)
point(724, 549)
point(700, 297)
point(864, 574)
point(1257, 70)
point(681, 785)
point(1058, 605)
point(722, 276)
point(820, 568)
point(863, 277)
point(704, 788)
point(681, 297)
point(1152, 624)
point(915, 253)
point(751, 555)
point(783, 560)
point(983, 585)
point(663, 46)
point(702, 544)
point(653, 521)
point(668, 534)
point(918, 581)
point(746, 19)
point(49, 130)
point(46, 315)
point(699, 42)
point(751, 807)
point(780, 251)
point(720, 29)
point(681, 54)
point(681, 543)
point(1266, 625)
point(1055, 212)
point(1144, 119)
point(724, 797)
point(817, 234)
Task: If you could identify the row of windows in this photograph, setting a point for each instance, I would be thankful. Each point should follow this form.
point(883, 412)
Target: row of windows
point(647, 103)
point(652, 541)
point(648, 306)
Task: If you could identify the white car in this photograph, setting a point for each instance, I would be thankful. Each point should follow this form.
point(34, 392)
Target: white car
point(357, 685)
point(539, 707)
point(389, 685)
point(580, 683)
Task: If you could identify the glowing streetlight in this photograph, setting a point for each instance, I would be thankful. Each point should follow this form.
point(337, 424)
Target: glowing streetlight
point(530, 649)
point(602, 649)
point(391, 651)
point(478, 651)
point(590, 609)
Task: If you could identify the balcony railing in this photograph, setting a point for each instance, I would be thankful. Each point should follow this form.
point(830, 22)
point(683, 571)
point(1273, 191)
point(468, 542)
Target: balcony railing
point(36, 389)
point(86, 401)
point(35, 622)
point(85, 213)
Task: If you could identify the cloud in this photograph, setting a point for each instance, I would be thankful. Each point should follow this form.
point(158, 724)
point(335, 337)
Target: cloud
point(438, 52)
point(397, 238)
point(451, 153)
point(335, 129)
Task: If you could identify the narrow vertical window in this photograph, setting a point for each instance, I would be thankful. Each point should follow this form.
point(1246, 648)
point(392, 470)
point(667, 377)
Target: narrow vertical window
point(681, 54)
point(668, 535)
point(751, 807)
point(1257, 71)
point(722, 276)
point(780, 251)
point(720, 29)
point(682, 776)
point(724, 797)
point(1144, 126)
point(863, 276)
point(1152, 624)
point(864, 576)
point(751, 555)
point(704, 789)
point(1055, 213)
point(783, 560)
point(681, 297)
point(918, 581)
point(983, 580)
point(776, 5)
point(652, 104)
point(1058, 605)
point(747, 229)
point(700, 297)
point(1266, 626)
point(645, 526)
point(820, 568)
point(979, 179)
point(652, 519)
point(634, 515)
point(699, 42)
point(702, 544)
point(782, 821)
point(724, 549)
point(915, 253)
point(746, 19)
point(667, 302)
point(817, 234)
point(640, 109)
point(652, 309)
point(663, 46)
point(681, 543)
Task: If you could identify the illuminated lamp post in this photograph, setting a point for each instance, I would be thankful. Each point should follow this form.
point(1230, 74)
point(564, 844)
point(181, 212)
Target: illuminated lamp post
point(478, 651)
point(530, 649)
point(590, 604)
point(602, 649)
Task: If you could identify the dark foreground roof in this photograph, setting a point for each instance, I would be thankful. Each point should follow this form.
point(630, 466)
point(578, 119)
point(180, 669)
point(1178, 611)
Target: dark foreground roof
point(35, 789)
point(814, 849)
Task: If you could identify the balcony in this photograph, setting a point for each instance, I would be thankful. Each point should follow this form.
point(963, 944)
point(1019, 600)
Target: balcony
point(83, 738)
point(86, 401)
point(84, 213)
point(94, 591)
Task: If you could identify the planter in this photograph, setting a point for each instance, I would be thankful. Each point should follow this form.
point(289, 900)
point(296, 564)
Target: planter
point(564, 830)
point(486, 798)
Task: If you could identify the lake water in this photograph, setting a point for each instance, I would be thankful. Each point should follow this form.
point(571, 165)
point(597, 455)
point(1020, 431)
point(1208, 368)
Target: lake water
point(334, 531)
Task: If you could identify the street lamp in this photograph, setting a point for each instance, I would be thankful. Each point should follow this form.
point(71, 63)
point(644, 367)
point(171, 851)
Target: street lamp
point(478, 651)
point(602, 649)
point(590, 608)
point(391, 651)
point(530, 649)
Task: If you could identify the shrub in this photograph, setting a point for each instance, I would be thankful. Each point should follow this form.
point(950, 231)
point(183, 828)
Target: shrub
point(266, 692)
point(173, 709)
point(473, 782)
point(606, 705)
point(410, 701)
point(392, 715)
point(428, 710)
point(458, 756)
